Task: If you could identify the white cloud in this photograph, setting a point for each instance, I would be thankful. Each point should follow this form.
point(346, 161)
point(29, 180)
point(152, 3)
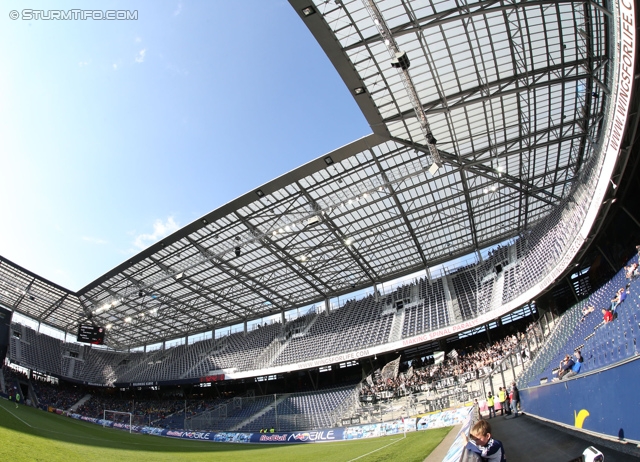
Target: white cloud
point(115, 67)
point(83, 63)
point(138, 39)
point(160, 230)
point(178, 9)
point(140, 57)
point(94, 240)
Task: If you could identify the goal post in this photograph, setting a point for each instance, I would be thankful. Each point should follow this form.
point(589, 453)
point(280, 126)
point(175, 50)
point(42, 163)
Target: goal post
point(109, 414)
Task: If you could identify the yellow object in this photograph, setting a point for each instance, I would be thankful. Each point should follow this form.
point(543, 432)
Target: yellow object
point(579, 417)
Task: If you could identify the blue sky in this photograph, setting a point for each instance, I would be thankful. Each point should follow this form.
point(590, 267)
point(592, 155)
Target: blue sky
point(117, 133)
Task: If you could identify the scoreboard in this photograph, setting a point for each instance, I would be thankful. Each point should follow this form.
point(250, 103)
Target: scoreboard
point(91, 334)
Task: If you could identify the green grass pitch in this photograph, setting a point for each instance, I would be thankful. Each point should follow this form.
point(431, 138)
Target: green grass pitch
point(32, 435)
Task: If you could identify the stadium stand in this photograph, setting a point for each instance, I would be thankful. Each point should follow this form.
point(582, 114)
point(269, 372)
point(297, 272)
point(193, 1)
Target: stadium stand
point(601, 344)
point(299, 411)
point(466, 292)
point(357, 324)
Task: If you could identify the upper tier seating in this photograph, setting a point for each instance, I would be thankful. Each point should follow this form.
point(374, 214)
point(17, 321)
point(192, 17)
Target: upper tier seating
point(358, 324)
point(601, 344)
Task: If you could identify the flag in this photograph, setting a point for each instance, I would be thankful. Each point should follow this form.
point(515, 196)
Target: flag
point(390, 370)
point(438, 357)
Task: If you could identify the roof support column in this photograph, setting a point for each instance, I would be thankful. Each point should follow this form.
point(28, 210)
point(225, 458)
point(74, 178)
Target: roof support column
point(604, 255)
point(624, 209)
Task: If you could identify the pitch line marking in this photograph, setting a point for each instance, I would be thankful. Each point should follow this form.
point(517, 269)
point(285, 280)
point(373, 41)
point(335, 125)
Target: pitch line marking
point(28, 425)
point(66, 433)
point(376, 450)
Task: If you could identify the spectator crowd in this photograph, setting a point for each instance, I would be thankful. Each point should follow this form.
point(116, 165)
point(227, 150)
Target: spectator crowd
point(459, 366)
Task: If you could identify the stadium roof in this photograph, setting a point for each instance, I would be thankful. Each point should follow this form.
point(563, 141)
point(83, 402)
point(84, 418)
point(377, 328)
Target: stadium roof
point(501, 96)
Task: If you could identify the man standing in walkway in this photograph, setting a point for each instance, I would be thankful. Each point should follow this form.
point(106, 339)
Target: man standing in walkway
point(502, 397)
point(491, 404)
point(515, 399)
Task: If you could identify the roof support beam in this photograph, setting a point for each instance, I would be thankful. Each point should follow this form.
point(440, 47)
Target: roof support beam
point(199, 289)
point(399, 206)
point(179, 305)
point(467, 198)
point(479, 169)
point(532, 79)
point(115, 295)
point(243, 278)
point(23, 294)
point(453, 15)
point(276, 251)
point(53, 307)
point(337, 233)
point(505, 180)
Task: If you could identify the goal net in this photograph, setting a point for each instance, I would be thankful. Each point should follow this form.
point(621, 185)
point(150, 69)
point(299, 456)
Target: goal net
point(122, 418)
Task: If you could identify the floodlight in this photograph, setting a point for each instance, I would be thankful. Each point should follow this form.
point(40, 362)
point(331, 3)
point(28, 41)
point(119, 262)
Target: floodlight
point(434, 167)
point(238, 251)
point(359, 90)
point(259, 193)
point(308, 11)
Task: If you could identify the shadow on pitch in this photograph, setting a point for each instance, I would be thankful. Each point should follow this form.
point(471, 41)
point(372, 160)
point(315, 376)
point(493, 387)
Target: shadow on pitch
point(37, 423)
